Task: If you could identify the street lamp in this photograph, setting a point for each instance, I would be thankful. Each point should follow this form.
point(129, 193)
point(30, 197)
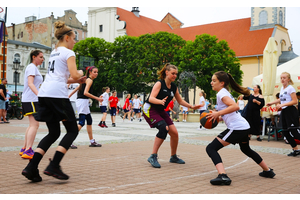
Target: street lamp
point(16, 67)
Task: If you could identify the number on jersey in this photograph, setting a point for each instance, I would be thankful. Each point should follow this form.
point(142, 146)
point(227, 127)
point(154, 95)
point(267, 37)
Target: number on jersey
point(51, 66)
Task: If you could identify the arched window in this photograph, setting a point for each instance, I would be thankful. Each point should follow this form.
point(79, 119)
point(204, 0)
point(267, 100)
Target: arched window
point(76, 35)
point(17, 57)
point(280, 18)
point(263, 17)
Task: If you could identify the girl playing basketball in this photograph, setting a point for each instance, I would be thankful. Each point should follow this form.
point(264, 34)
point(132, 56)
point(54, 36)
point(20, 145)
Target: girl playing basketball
point(162, 93)
point(55, 105)
point(237, 130)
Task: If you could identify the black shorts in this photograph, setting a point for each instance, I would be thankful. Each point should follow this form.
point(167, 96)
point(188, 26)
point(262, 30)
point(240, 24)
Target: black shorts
point(235, 136)
point(30, 108)
point(113, 111)
point(54, 109)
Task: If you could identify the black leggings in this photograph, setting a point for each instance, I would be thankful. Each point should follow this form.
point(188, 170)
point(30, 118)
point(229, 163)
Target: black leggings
point(290, 125)
point(54, 133)
point(213, 148)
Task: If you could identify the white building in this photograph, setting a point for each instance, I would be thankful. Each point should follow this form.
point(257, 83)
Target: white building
point(21, 51)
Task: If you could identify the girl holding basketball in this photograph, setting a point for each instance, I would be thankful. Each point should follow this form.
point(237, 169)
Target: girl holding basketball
point(55, 105)
point(237, 130)
point(162, 93)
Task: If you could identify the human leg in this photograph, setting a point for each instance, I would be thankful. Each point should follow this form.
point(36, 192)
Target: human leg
point(29, 137)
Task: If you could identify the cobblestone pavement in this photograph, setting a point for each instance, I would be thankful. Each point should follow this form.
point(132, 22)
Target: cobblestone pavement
point(120, 166)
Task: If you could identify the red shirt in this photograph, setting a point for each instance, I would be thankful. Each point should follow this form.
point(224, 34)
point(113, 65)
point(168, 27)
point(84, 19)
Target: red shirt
point(170, 105)
point(113, 101)
point(126, 104)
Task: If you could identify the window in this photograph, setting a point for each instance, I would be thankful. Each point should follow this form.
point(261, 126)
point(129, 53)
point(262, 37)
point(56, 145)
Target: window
point(263, 17)
point(280, 18)
point(101, 28)
point(22, 34)
point(17, 57)
point(43, 65)
point(76, 35)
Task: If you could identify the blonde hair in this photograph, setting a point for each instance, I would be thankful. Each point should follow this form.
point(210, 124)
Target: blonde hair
point(162, 72)
point(289, 77)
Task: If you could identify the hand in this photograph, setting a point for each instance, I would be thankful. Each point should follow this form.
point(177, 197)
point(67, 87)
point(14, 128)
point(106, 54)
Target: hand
point(100, 99)
point(268, 104)
point(279, 107)
point(163, 101)
point(80, 72)
point(254, 100)
point(196, 107)
point(82, 79)
point(213, 116)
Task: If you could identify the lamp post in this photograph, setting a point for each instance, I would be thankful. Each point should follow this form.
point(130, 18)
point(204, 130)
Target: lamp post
point(16, 67)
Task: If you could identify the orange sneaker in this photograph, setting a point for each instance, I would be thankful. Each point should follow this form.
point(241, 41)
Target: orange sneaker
point(28, 154)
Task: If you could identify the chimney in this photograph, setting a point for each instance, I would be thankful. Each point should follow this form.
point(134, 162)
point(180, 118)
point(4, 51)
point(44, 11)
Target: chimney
point(13, 30)
point(136, 11)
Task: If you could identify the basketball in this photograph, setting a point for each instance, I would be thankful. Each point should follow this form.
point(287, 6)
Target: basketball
point(206, 122)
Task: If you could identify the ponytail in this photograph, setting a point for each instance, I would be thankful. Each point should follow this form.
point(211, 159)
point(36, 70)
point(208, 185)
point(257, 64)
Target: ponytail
point(162, 72)
point(228, 80)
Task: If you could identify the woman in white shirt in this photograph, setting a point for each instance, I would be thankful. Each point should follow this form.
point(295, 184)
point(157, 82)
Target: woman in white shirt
point(241, 103)
point(55, 105)
point(289, 116)
point(103, 106)
point(32, 82)
point(237, 130)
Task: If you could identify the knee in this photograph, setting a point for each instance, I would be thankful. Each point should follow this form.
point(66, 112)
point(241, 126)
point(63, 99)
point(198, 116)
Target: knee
point(163, 129)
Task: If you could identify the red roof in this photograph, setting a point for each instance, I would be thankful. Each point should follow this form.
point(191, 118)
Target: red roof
point(136, 26)
point(236, 32)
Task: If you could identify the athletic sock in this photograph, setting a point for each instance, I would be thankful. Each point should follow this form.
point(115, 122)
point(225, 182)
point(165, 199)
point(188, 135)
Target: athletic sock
point(92, 140)
point(57, 158)
point(35, 161)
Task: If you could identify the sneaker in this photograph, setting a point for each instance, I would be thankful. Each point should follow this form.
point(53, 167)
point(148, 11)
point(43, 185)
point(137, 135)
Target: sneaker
point(32, 174)
point(175, 159)
point(267, 174)
point(222, 179)
point(104, 125)
point(28, 154)
point(113, 125)
point(294, 153)
point(95, 144)
point(73, 146)
point(258, 139)
point(101, 125)
point(56, 172)
point(153, 161)
point(21, 151)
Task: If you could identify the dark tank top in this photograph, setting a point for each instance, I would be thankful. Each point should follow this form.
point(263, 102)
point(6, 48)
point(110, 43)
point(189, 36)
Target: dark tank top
point(164, 91)
point(80, 94)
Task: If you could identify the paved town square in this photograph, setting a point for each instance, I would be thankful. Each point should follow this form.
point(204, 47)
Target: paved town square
point(120, 166)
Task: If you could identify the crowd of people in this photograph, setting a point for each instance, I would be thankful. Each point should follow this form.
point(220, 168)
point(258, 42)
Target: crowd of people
point(65, 95)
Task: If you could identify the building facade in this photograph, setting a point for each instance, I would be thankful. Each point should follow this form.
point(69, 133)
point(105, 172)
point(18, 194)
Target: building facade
point(21, 51)
point(42, 30)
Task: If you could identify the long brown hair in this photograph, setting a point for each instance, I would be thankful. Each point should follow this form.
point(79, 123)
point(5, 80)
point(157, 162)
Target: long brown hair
point(162, 72)
point(228, 80)
point(88, 69)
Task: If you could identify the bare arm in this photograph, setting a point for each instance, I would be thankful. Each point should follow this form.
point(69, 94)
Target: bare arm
point(87, 88)
point(73, 92)
point(184, 103)
point(31, 85)
point(75, 74)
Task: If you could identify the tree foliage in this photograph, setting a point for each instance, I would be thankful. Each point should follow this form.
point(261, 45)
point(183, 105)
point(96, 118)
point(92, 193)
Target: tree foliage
point(205, 56)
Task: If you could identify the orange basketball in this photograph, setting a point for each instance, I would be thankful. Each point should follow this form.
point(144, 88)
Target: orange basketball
point(206, 122)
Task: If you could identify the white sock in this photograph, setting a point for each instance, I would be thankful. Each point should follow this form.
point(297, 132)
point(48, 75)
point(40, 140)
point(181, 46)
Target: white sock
point(92, 140)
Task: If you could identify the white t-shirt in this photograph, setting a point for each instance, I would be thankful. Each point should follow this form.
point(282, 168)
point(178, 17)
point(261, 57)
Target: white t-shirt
point(285, 94)
point(55, 84)
point(136, 103)
point(202, 100)
point(105, 97)
point(234, 120)
point(241, 104)
point(28, 95)
point(184, 108)
point(72, 87)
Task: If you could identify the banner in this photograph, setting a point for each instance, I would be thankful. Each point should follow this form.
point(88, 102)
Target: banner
point(2, 14)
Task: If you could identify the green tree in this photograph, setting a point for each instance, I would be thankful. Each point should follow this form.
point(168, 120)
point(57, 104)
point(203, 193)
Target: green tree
point(205, 56)
point(155, 50)
point(98, 49)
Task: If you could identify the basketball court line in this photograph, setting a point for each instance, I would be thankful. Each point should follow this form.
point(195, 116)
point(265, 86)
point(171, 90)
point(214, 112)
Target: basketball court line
point(153, 182)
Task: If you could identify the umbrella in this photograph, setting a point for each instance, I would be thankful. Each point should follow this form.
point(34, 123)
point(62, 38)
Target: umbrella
point(270, 62)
